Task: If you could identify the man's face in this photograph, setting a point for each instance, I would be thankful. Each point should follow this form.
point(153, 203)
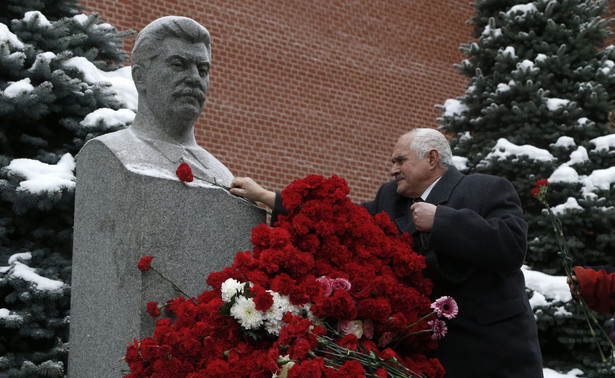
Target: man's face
point(411, 173)
point(177, 81)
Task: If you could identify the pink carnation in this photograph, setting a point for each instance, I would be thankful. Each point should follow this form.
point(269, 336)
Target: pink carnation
point(385, 339)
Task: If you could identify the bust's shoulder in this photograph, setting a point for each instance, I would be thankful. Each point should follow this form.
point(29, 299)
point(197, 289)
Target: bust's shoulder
point(122, 144)
point(118, 139)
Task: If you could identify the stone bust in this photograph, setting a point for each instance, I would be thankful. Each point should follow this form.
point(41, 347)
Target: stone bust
point(170, 68)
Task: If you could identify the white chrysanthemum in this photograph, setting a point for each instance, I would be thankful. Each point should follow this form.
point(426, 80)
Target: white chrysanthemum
point(277, 309)
point(282, 301)
point(229, 288)
point(245, 312)
point(273, 326)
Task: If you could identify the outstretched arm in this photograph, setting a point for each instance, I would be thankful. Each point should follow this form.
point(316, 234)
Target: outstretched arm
point(249, 189)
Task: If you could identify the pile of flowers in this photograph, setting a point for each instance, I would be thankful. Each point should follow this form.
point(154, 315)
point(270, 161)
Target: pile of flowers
point(329, 291)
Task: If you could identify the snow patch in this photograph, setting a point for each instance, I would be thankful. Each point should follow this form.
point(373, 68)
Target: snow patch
point(108, 117)
point(41, 177)
point(454, 107)
point(19, 88)
point(7, 36)
point(503, 149)
point(120, 79)
point(604, 143)
point(40, 283)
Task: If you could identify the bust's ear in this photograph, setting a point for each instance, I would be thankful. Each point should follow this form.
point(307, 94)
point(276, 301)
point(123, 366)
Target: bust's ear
point(138, 74)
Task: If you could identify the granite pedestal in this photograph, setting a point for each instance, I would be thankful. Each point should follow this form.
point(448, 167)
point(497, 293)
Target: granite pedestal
point(122, 214)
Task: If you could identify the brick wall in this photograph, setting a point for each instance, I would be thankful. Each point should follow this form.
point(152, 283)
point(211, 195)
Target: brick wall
point(323, 87)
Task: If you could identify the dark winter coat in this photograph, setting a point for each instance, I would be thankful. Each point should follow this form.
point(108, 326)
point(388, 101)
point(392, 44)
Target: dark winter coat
point(474, 254)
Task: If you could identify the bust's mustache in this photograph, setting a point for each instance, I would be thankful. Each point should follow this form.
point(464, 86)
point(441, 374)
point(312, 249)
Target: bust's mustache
point(193, 92)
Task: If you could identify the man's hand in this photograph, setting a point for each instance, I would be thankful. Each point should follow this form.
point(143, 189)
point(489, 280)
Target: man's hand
point(423, 215)
point(249, 189)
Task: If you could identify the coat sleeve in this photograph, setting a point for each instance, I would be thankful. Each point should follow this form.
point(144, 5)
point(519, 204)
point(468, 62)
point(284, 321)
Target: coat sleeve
point(597, 287)
point(278, 209)
point(486, 229)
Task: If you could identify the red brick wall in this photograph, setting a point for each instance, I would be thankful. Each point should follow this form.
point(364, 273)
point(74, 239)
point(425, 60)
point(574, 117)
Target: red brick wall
point(322, 87)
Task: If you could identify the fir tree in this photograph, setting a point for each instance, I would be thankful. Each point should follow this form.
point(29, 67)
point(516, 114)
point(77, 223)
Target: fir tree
point(44, 99)
point(537, 106)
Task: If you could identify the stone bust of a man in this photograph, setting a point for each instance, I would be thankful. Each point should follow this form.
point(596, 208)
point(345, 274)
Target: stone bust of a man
point(170, 68)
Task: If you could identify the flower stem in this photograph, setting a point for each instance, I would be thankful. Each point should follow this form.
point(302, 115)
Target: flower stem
point(175, 287)
point(408, 334)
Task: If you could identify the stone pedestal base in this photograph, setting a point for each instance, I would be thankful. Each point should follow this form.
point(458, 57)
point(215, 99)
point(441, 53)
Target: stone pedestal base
point(121, 215)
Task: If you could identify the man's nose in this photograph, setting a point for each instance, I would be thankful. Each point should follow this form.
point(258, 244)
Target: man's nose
point(394, 169)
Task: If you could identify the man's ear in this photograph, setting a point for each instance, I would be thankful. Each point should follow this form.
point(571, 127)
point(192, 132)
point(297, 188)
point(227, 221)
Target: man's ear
point(434, 158)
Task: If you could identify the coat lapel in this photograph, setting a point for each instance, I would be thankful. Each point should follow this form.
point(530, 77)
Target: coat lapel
point(440, 193)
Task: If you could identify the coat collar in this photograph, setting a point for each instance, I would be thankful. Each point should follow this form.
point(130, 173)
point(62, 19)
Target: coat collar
point(440, 193)
point(443, 189)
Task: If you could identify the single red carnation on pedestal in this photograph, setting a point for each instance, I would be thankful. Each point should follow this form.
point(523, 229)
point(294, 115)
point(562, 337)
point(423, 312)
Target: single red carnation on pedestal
point(184, 172)
point(144, 263)
point(152, 309)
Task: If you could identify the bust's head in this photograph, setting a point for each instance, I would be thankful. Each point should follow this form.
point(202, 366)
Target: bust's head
point(148, 41)
point(170, 68)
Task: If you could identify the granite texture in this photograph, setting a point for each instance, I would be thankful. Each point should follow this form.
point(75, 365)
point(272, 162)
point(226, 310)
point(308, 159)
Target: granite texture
point(122, 214)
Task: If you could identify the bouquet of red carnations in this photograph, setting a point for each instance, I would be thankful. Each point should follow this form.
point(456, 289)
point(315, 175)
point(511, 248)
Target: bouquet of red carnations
point(329, 291)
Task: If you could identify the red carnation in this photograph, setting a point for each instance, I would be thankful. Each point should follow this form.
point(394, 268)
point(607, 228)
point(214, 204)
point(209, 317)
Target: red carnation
point(184, 172)
point(145, 263)
point(152, 309)
point(381, 372)
point(349, 341)
point(540, 189)
point(308, 368)
point(299, 349)
point(262, 299)
point(388, 354)
point(351, 368)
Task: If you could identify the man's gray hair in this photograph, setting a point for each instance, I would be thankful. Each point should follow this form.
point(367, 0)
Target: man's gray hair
point(146, 45)
point(427, 139)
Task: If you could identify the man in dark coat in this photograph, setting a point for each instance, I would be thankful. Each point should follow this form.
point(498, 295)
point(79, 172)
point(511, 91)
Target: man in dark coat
point(472, 233)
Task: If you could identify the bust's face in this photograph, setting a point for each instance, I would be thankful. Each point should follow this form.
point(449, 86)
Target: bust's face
point(176, 82)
